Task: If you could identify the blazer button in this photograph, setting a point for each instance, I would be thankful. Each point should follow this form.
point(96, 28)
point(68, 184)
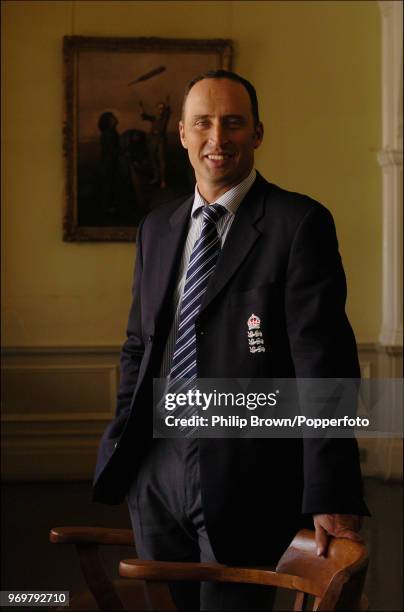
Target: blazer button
point(150, 338)
point(116, 444)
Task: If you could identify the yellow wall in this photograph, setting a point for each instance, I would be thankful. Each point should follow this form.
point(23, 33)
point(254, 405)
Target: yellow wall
point(316, 66)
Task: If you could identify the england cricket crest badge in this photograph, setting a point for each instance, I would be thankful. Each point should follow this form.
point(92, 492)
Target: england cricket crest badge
point(254, 335)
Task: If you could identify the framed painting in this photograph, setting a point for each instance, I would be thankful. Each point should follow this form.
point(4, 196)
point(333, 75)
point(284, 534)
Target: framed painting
point(123, 99)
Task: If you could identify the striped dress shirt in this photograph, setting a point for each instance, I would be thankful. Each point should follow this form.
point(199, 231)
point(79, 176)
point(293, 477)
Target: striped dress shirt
point(231, 200)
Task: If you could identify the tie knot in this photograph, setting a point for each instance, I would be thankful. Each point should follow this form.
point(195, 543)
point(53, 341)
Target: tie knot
point(213, 212)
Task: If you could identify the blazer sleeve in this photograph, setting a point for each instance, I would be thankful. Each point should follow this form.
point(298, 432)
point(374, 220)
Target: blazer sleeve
point(323, 346)
point(133, 348)
point(131, 357)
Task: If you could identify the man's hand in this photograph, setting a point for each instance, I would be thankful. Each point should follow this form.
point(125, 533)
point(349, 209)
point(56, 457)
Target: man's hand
point(337, 525)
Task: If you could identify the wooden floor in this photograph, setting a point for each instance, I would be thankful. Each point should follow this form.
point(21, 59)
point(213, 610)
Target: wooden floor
point(29, 561)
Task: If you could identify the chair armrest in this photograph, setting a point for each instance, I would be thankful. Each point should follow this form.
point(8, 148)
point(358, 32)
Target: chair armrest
point(161, 571)
point(91, 535)
point(86, 540)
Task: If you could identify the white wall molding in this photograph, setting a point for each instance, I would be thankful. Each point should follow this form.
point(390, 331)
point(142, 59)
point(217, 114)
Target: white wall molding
point(56, 402)
point(45, 439)
point(381, 457)
point(390, 158)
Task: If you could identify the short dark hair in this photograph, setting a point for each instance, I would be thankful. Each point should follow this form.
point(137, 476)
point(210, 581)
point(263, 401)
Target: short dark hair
point(232, 76)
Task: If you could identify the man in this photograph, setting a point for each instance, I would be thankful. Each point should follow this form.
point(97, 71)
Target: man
point(235, 501)
point(158, 139)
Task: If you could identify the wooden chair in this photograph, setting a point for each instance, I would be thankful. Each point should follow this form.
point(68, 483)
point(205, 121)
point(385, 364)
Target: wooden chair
point(103, 594)
point(334, 583)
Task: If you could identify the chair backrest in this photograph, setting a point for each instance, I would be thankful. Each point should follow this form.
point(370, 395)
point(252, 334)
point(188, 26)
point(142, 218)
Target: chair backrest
point(339, 576)
point(335, 581)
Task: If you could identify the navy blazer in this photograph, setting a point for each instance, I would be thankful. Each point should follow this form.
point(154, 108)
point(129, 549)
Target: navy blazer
point(281, 262)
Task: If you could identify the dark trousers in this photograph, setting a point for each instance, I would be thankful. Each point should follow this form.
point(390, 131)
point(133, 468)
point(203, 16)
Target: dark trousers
point(166, 511)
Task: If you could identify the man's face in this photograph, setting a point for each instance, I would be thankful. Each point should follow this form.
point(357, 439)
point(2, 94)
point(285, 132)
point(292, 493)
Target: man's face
point(218, 131)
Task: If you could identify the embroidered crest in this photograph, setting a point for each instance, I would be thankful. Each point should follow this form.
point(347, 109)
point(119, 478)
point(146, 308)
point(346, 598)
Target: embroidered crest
point(254, 335)
point(254, 322)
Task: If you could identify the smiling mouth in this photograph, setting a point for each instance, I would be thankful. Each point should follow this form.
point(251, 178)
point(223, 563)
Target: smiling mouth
point(219, 157)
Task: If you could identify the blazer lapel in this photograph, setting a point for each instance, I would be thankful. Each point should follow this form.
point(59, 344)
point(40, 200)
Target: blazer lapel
point(239, 242)
point(170, 248)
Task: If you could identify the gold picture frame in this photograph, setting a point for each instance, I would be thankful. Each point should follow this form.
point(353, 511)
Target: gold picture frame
point(123, 99)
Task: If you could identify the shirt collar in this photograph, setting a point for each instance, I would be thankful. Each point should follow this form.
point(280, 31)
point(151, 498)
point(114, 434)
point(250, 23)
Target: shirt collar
point(231, 200)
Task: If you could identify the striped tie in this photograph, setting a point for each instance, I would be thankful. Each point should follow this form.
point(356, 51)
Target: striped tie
point(201, 266)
